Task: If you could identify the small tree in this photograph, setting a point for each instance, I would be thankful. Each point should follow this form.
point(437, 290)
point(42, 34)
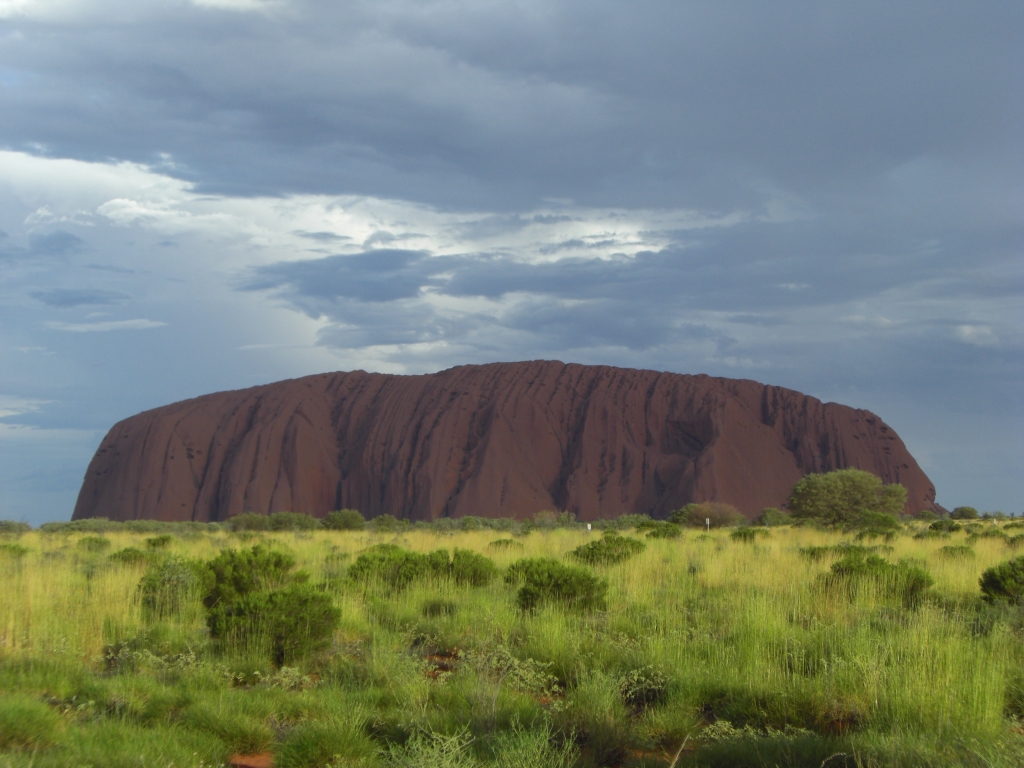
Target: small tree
point(964, 513)
point(843, 498)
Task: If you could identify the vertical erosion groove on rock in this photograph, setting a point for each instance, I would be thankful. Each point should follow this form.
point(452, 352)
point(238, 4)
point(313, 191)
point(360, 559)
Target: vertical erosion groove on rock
point(499, 440)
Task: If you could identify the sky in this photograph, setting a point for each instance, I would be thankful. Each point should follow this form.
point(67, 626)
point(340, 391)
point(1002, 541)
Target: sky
point(209, 195)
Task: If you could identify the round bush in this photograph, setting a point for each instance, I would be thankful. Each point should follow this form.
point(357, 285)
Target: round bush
point(964, 513)
point(546, 580)
point(1004, 582)
point(344, 520)
point(608, 550)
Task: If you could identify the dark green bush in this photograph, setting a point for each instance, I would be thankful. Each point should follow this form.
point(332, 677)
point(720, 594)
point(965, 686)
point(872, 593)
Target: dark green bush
point(384, 523)
point(291, 521)
point(662, 530)
point(546, 580)
point(957, 552)
point(816, 553)
point(608, 550)
point(503, 544)
point(13, 528)
point(396, 568)
point(1015, 541)
point(878, 525)
point(771, 517)
point(344, 520)
point(964, 513)
point(720, 515)
point(235, 573)
point(749, 535)
point(12, 550)
point(945, 526)
point(472, 569)
point(94, 543)
point(1004, 582)
point(927, 516)
point(129, 556)
point(905, 581)
point(159, 542)
point(291, 623)
point(168, 585)
point(247, 521)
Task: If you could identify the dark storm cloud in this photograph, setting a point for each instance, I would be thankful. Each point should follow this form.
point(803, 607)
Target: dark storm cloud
point(467, 104)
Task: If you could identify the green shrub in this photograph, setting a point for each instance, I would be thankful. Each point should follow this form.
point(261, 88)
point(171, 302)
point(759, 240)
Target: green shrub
point(384, 523)
point(816, 553)
point(608, 550)
point(396, 568)
point(945, 526)
point(290, 623)
point(771, 517)
point(1015, 541)
point(291, 521)
point(331, 743)
point(235, 573)
point(533, 747)
point(471, 523)
point(159, 542)
point(504, 544)
point(168, 585)
point(94, 543)
point(905, 581)
point(13, 528)
point(643, 688)
point(1004, 582)
point(1013, 526)
point(129, 556)
point(878, 525)
point(546, 580)
point(720, 514)
point(661, 530)
point(247, 521)
point(344, 520)
point(993, 533)
point(13, 551)
point(927, 516)
point(26, 723)
point(957, 552)
point(472, 569)
point(964, 513)
point(749, 535)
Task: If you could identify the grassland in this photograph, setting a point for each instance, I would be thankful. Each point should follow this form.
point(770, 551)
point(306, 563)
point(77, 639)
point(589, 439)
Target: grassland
point(712, 651)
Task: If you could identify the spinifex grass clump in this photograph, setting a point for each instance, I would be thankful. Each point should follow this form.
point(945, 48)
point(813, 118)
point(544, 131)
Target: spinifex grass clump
point(546, 580)
point(957, 551)
point(903, 581)
point(168, 584)
point(505, 544)
point(608, 550)
point(749, 535)
point(397, 568)
point(663, 530)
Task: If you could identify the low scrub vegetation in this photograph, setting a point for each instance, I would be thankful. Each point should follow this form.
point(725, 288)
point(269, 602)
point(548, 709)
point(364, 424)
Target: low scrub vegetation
point(517, 644)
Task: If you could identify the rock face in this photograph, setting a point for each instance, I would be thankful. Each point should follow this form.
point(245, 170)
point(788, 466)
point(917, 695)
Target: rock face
point(501, 440)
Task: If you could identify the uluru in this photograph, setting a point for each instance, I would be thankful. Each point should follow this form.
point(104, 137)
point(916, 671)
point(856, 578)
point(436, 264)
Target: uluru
point(496, 440)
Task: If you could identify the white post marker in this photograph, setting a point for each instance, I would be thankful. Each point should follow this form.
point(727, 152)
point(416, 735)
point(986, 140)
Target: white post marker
point(588, 526)
point(707, 520)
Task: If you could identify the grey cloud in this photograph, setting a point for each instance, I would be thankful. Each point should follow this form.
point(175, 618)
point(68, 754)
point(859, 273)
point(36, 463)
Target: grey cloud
point(56, 243)
point(75, 297)
point(323, 237)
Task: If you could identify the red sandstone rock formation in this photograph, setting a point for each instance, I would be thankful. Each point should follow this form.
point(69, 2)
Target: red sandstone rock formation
point(501, 440)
